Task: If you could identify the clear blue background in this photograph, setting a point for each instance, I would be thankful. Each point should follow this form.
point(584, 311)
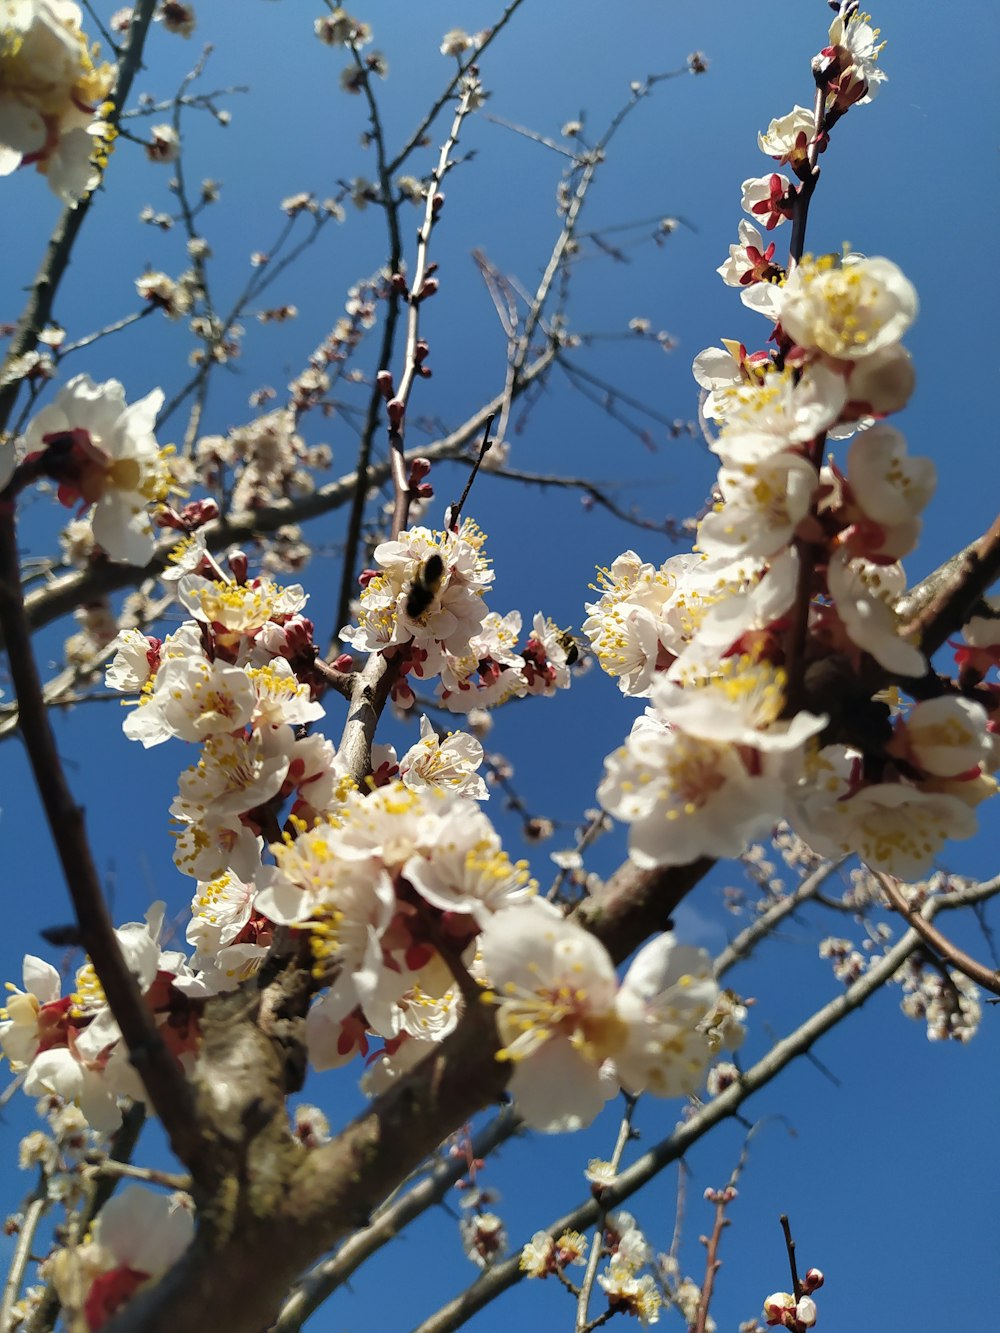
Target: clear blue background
point(890, 1176)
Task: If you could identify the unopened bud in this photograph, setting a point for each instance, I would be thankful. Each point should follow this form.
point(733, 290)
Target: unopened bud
point(396, 409)
point(437, 203)
point(805, 1312)
point(399, 284)
point(366, 576)
point(427, 289)
point(238, 563)
point(419, 468)
point(812, 1281)
point(344, 663)
point(386, 386)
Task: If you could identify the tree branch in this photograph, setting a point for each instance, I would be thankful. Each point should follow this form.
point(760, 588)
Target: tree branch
point(724, 1107)
point(162, 1077)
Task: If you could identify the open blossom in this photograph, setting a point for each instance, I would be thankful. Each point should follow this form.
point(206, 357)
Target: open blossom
point(238, 611)
point(29, 1017)
point(892, 826)
point(646, 616)
point(198, 698)
point(769, 199)
point(947, 737)
point(428, 597)
point(573, 1034)
point(110, 457)
point(708, 767)
point(853, 60)
point(847, 308)
point(763, 501)
point(51, 95)
point(235, 774)
point(785, 406)
point(889, 486)
point(281, 699)
point(787, 138)
point(626, 1291)
point(490, 671)
point(750, 260)
point(70, 1046)
point(448, 762)
point(864, 596)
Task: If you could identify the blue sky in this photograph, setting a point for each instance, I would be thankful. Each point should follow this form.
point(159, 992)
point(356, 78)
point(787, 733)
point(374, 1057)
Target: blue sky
point(887, 1174)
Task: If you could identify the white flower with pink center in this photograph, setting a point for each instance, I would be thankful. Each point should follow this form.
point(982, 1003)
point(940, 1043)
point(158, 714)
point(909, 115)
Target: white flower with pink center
point(767, 198)
point(235, 773)
point(449, 762)
point(565, 1023)
point(29, 1014)
point(280, 698)
point(708, 767)
point(199, 698)
point(892, 826)
point(239, 610)
point(790, 406)
point(114, 461)
point(787, 138)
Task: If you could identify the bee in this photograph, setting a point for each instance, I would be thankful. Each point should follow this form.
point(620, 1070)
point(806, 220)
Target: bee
point(569, 645)
point(424, 587)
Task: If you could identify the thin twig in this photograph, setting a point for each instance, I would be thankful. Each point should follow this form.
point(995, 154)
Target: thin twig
point(33, 1214)
point(418, 137)
point(108, 329)
point(790, 1250)
point(745, 942)
point(455, 511)
point(593, 492)
point(625, 1133)
point(170, 1180)
point(415, 298)
point(951, 953)
point(387, 1224)
point(712, 1263)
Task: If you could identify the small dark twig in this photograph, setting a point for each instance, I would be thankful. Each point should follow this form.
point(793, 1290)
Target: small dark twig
point(455, 510)
point(790, 1247)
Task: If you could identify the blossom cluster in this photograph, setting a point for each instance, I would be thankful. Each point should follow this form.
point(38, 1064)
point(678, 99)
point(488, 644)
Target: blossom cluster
point(402, 891)
point(424, 608)
point(756, 651)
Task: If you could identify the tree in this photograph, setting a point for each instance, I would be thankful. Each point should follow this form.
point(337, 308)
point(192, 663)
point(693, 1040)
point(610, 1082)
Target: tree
point(355, 897)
